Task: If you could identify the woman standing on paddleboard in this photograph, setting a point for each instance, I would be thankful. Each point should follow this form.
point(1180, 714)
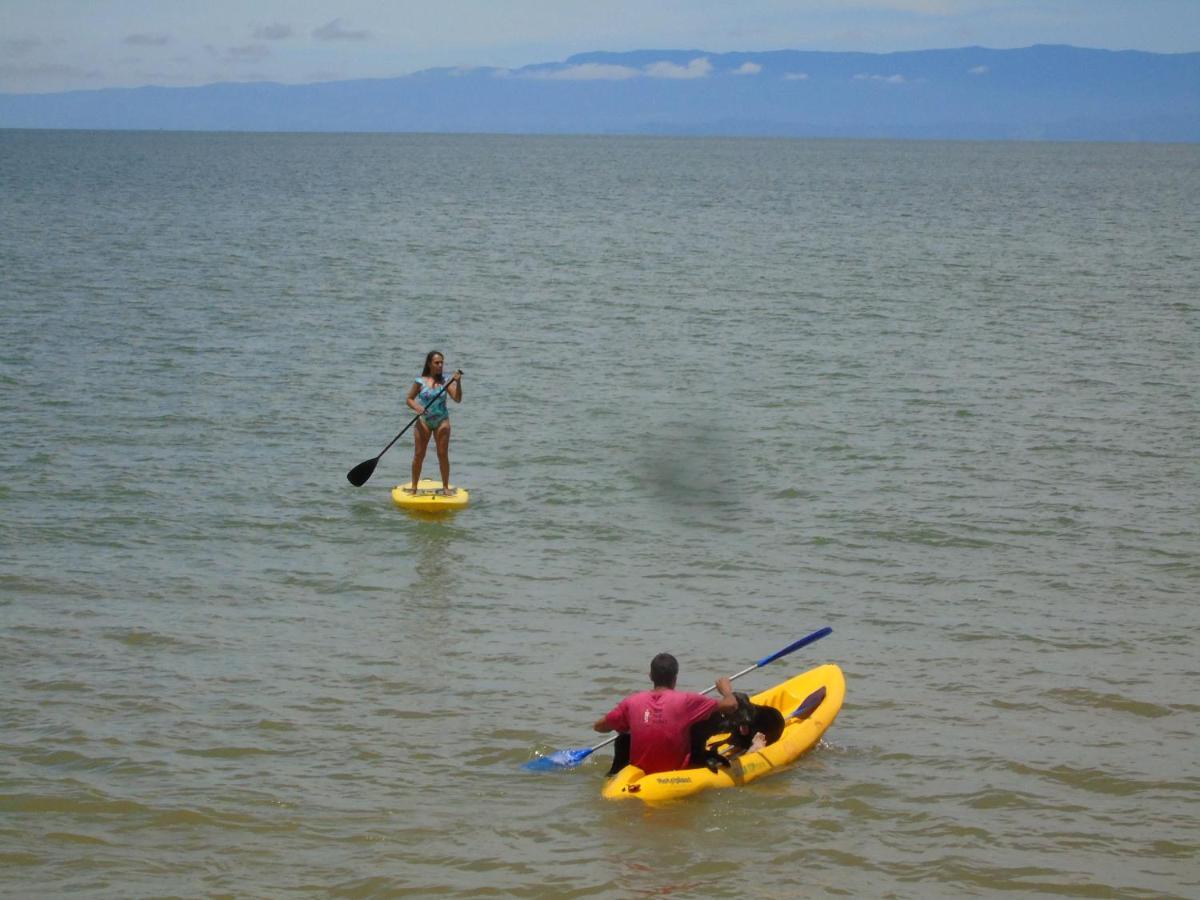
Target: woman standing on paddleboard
point(427, 398)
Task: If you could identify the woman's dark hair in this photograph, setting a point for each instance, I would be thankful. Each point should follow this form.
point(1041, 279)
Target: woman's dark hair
point(429, 364)
point(664, 669)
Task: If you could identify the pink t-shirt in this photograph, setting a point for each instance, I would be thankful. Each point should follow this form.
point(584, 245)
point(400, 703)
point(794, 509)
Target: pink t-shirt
point(659, 725)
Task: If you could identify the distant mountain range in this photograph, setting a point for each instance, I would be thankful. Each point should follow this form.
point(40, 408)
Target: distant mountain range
point(1034, 93)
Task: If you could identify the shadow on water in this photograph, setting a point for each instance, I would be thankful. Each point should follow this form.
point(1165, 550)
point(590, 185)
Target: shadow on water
point(687, 469)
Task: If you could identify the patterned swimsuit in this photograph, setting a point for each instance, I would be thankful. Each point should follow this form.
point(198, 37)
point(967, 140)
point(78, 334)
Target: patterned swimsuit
point(435, 410)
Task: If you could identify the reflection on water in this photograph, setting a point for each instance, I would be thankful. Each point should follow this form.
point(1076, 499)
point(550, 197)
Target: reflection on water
point(439, 553)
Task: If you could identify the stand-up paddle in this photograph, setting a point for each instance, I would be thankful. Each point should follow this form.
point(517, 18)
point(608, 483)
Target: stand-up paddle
point(359, 474)
point(569, 759)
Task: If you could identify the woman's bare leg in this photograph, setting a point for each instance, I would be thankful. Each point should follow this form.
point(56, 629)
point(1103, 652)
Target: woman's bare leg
point(442, 437)
point(420, 444)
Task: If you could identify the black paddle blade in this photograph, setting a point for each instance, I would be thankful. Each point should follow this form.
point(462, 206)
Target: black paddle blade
point(359, 474)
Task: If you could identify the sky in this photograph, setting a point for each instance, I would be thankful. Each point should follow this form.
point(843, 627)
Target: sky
point(59, 45)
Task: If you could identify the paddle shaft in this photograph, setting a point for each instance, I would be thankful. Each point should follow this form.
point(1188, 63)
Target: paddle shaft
point(359, 474)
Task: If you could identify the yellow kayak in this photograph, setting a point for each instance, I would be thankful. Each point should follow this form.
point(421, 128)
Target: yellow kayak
point(429, 497)
point(808, 713)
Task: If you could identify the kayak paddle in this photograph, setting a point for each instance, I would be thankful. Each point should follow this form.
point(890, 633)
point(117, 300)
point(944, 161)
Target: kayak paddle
point(359, 474)
point(809, 706)
point(569, 759)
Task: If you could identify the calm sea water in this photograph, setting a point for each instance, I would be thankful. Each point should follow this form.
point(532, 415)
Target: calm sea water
point(718, 394)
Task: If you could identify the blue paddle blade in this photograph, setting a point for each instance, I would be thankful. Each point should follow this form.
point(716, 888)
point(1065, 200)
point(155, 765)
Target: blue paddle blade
point(560, 759)
point(791, 648)
point(810, 704)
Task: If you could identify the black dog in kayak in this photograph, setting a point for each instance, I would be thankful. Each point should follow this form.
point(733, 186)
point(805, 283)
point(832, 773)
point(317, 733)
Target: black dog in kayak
point(741, 725)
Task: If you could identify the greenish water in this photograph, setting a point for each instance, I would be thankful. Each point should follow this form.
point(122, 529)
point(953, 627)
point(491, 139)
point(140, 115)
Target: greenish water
point(719, 393)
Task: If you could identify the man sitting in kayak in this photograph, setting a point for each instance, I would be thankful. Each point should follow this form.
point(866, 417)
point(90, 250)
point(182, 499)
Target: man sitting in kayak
point(655, 725)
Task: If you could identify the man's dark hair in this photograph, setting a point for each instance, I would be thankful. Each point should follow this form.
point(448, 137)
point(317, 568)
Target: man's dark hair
point(664, 669)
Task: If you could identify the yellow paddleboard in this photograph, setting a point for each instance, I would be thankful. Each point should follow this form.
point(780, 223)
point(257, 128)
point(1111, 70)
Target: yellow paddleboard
point(429, 497)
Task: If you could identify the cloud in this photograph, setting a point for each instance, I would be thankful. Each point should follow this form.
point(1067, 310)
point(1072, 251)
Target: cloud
point(244, 53)
point(885, 79)
point(19, 46)
point(748, 68)
point(587, 72)
point(247, 53)
point(276, 31)
point(56, 70)
point(796, 76)
point(334, 31)
point(148, 40)
point(697, 68)
point(978, 70)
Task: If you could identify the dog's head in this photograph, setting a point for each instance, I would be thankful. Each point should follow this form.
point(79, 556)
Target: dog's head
point(741, 719)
